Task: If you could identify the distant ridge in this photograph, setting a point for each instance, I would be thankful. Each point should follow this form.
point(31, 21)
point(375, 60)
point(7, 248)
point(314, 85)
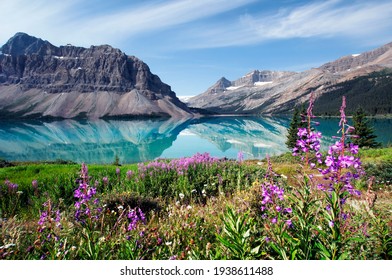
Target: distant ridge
point(365, 78)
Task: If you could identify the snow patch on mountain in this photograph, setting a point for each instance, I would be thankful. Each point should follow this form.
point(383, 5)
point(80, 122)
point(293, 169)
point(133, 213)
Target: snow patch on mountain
point(259, 84)
point(233, 88)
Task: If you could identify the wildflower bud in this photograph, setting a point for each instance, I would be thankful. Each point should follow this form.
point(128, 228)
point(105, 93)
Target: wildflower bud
point(34, 183)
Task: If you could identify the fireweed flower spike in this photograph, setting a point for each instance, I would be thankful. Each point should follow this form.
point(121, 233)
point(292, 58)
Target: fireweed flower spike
point(135, 215)
point(342, 167)
point(84, 173)
point(12, 188)
point(34, 183)
point(272, 198)
point(49, 217)
point(240, 156)
point(84, 194)
point(309, 140)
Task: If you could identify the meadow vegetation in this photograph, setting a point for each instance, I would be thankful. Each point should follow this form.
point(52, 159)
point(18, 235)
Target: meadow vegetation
point(333, 204)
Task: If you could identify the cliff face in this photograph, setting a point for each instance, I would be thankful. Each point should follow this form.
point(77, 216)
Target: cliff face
point(275, 92)
point(42, 80)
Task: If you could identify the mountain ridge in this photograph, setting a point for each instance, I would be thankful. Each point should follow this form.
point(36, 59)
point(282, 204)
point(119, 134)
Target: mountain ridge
point(280, 94)
point(38, 79)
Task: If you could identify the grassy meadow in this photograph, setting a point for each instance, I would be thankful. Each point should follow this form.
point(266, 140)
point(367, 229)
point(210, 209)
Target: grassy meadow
point(193, 208)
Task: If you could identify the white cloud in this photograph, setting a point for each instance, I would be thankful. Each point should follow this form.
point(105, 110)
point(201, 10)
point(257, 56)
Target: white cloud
point(318, 19)
point(191, 23)
point(58, 21)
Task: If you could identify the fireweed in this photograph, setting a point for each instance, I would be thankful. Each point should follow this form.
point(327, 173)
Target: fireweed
point(294, 232)
point(49, 228)
point(308, 143)
point(181, 165)
point(190, 176)
point(10, 198)
point(85, 208)
point(91, 217)
point(342, 167)
point(135, 216)
point(12, 188)
point(272, 197)
point(340, 171)
point(274, 213)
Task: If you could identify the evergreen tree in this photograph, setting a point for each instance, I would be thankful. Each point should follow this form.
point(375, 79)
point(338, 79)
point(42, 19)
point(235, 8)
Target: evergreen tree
point(364, 132)
point(296, 122)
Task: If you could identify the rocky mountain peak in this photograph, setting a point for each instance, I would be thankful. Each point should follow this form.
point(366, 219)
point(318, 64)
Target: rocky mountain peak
point(256, 76)
point(251, 79)
point(219, 86)
point(32, 64)
point(365, 78)
point(24, 44)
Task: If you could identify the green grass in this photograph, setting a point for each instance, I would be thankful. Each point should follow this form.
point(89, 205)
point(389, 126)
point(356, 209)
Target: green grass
point(189, 216)
point(24, 174)
point(376, 155)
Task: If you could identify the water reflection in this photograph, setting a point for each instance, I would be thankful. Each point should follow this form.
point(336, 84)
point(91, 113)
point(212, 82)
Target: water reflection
point(100, 141)
point(255, 137)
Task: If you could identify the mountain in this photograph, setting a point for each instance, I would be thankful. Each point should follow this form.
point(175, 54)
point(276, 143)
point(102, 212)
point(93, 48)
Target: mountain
point(38, 79)
point(365, 79)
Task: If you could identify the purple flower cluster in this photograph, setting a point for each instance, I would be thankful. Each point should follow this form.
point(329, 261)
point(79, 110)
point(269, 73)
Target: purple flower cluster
point(181, 165)
point(240, 156)
point(84, 173)
point(135, 215)
point(308, 140)
point(11, 186)
point(272, 197)
point(340, 158)
point(48, 217)
point(34, 183)
point(84, 194)
point(342, 167)
point(129, 174)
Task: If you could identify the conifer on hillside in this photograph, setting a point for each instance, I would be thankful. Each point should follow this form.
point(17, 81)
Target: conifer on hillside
point(363, 131)
point(296, 122)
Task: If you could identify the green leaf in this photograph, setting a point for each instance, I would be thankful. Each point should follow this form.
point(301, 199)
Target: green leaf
point(293, 254)
point(324, 250)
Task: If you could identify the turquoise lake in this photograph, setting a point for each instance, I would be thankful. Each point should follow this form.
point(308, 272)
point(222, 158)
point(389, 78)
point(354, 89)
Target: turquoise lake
point(100, 141)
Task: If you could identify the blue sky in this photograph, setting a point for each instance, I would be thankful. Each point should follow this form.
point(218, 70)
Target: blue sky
point(190, 44)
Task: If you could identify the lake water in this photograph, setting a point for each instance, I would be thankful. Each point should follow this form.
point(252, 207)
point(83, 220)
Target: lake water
point(100, 141)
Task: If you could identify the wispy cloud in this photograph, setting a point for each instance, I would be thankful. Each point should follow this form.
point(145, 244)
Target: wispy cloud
point(318, 19)
point(192, 24)
point(37, 17)
point(60, 20)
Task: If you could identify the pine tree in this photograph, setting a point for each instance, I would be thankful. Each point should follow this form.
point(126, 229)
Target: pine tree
point(363, 131)
point(296, 122)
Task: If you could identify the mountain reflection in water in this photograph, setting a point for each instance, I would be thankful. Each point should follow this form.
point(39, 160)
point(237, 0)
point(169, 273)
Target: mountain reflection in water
point(100, 141)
